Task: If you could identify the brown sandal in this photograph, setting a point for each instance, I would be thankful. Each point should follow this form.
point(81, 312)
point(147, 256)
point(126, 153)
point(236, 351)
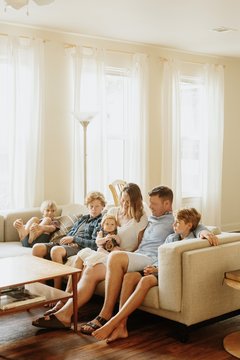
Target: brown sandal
point(92, 326)
point(57, 307)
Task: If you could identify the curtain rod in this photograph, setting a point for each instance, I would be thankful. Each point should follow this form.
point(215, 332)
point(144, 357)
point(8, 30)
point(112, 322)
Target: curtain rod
point(24, 37)
point(190, 62)
point(69, 46)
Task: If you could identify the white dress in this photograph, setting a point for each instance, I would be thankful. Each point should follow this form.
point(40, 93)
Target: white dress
point(128, 234)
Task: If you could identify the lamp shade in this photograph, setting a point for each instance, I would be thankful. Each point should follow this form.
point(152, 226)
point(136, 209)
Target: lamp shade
point(84, 116)
point(43, 2)
point(16, 4)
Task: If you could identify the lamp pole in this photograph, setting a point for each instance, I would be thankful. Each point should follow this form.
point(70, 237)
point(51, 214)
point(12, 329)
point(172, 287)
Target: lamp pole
point(84, 119)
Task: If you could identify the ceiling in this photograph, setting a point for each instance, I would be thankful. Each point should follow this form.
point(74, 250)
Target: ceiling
point(180, 24)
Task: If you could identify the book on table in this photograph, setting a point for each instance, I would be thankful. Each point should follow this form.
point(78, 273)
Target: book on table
point(18, 296)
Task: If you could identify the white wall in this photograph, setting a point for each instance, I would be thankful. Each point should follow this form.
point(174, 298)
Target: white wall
point(58, 118)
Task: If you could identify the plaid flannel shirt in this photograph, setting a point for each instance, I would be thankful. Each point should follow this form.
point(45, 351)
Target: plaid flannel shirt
point(85, 236)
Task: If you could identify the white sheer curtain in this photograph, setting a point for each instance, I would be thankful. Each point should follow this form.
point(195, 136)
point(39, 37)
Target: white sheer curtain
point(212, 77)
point(21, 90)
point(89, 83)
point(136, 157)
point(170, 125)
point(88, 96)
point(213, 144)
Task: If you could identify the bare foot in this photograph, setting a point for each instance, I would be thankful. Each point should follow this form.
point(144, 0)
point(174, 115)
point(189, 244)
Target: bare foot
point(105, 331)
point(57, 307)
point(31, 237)
point(118, 333)
point(22, 232)
point(110, 333)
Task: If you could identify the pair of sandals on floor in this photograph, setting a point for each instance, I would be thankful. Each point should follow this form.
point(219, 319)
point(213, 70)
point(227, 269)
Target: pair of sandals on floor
point(50, 321)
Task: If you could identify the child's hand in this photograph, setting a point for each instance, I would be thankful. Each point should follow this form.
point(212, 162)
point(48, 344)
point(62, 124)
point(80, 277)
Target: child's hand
point(150, 269)
point(66, 240)
point(115, 237)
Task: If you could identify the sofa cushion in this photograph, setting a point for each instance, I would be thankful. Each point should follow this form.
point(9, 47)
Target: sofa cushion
point(13, 248)
point(66, 223)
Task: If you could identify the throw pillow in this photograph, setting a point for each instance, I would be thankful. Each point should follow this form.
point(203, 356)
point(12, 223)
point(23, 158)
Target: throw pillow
point(66, 223)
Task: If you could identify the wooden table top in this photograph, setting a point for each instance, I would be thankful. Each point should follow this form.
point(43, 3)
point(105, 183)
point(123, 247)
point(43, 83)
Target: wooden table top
point(232, 279)
point(26, 269)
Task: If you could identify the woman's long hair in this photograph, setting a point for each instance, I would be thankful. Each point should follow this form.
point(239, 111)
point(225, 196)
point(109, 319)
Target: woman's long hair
point(136, 200)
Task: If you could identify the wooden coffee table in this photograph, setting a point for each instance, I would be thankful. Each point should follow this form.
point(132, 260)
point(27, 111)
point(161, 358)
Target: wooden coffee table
point(231, 342)
point(30, 270)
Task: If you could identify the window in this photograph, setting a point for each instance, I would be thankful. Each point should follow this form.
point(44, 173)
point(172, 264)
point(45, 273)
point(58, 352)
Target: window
point(112, 86)
point(117, 85)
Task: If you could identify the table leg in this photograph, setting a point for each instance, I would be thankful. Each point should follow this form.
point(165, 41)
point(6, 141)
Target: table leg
point(75, 302)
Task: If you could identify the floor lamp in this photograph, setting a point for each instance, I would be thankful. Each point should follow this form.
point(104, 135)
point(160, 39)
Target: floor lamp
point(84, 119)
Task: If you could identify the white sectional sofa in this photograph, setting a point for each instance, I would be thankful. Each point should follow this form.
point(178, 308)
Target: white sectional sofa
point(191, 272)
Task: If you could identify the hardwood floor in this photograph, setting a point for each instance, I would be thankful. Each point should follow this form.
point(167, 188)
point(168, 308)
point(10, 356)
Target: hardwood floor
point(150, 338)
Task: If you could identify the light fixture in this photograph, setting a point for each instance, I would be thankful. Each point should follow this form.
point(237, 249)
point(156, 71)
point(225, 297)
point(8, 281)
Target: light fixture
point(222, 29)
point(18, 4)
point(84, 119)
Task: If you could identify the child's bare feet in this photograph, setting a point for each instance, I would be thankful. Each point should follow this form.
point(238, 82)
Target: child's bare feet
point(31, 237)
point(33, 233)
point(22, 232)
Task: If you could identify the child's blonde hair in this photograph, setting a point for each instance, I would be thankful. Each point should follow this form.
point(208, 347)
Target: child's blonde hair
point(109, 217)
point(188, 215)
point(95, 195)
point(48, 204)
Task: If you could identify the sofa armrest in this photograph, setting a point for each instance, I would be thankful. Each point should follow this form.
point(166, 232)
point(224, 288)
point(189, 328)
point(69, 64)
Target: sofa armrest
point(170, 257)
point(10, 233)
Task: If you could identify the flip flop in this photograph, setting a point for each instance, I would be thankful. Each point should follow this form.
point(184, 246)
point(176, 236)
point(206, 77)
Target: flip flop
point(49, 322)
point(93, 326)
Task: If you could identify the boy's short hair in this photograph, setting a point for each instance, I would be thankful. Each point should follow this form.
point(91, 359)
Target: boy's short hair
point(162, 192)
point(189, 215)
point(48, 204)
point(109, 217)
point(95, 195)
